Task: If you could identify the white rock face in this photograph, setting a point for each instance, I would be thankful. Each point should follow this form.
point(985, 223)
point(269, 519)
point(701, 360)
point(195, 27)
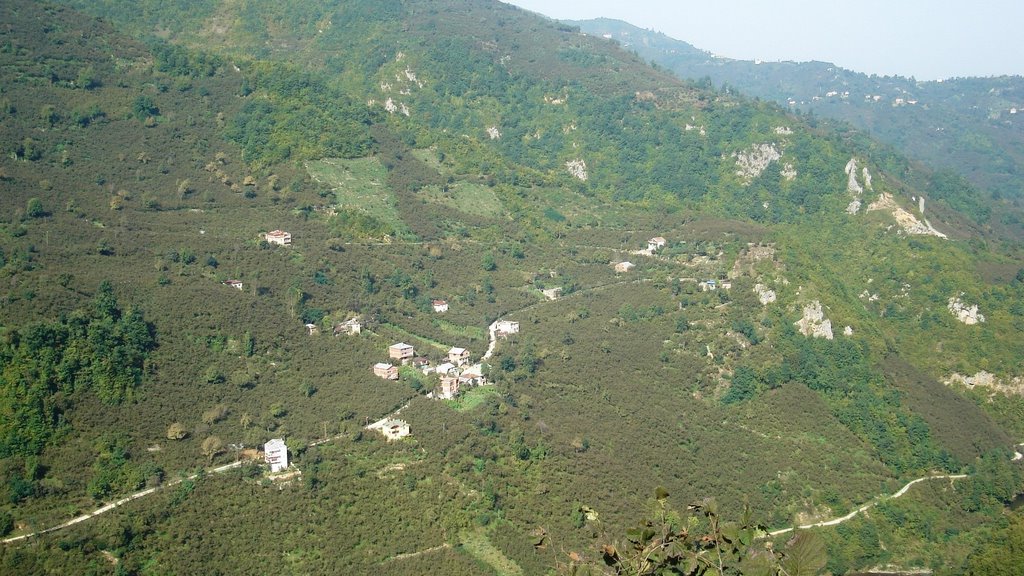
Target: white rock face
point(783, 130)
point(788, 172)
point(966, 314)
point(989, 380)
point(764, 294)
point(578, 168)
point(752, 162)
point(907, 221)
point(494, 133)
point(814, 323)
point(852, 186)
point(848, 331)
point(390, 106)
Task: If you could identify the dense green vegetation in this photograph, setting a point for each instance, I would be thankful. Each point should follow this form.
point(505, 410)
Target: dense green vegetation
point(134, 186)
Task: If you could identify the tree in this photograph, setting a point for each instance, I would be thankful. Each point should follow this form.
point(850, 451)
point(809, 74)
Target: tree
point(6, 522)
point(143, 107)
point(488, 263)
point(675, 544)
point(176, 431)
point(87, 78)
point(34, 208)
point(212, 446)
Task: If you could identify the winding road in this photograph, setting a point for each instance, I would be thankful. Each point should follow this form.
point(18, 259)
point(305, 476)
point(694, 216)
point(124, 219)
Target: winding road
point(121, 502)
point(871, 504)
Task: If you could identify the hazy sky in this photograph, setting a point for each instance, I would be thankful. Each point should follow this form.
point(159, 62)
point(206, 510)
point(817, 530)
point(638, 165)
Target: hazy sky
point(927, 39)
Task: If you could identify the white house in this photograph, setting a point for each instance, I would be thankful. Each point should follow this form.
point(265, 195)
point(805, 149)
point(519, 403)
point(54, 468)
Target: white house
point(279, 237)
point(237, 284)
point(352, 327)
point(439, 305)
point(393, 429)
point(656, 243)
point(552, 293)
point(505, 328)
point(444, 369)
point(275, 453)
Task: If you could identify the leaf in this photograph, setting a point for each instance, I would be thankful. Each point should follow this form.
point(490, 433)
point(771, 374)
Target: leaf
point(758, 564)
point(804, 555)
point(730, 532)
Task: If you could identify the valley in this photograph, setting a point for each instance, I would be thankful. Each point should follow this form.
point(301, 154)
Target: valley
point(215, 235)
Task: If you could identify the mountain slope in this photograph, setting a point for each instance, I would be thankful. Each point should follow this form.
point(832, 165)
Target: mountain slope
point(963, 126)
point(531, 158)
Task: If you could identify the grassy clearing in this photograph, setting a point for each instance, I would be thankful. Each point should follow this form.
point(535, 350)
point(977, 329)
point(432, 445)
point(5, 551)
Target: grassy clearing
point(475, 199)
point(359, 184)
point(473, 398)
point(399, 332)
point(429, 157)
point(470, 332)
point(477, 544)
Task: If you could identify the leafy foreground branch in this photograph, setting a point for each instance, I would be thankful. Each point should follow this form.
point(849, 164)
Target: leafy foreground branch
point(699, 543)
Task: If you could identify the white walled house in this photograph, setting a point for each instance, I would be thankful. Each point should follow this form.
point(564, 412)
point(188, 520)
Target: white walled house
point(505, 328)
point(279, 237)
point(394, 429)
point(275, 453)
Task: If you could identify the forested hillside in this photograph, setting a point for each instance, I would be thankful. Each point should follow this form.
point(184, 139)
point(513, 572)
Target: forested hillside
point(200, 201)
point(969, 130)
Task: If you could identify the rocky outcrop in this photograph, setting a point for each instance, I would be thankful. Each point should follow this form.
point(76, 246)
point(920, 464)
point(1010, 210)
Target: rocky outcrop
point(764, 294)
point(578, 168)
point(854, 187)
point(964, 313)
point(1008, 386)
point(814, 323)
point(907, 221)
point(752, 162)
